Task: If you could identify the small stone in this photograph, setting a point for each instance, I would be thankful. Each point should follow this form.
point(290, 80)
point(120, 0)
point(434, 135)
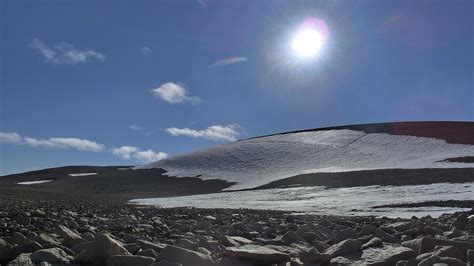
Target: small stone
point(123, 260)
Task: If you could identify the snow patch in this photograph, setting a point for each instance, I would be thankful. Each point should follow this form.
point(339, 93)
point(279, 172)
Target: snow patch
point(33, 182)
point(330, 201)
point(82, 174)
point(255, 162)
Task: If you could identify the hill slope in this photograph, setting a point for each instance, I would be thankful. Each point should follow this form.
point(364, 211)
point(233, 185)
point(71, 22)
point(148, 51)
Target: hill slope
point(258, 161)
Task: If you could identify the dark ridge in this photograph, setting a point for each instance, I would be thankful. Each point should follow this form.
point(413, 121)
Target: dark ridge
point(436, 203)
point(465, 159)
point(451, 132)
point(383, 177)
point(109, 181)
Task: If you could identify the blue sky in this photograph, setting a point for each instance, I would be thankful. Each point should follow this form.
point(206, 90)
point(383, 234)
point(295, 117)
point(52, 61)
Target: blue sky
point(126, 82)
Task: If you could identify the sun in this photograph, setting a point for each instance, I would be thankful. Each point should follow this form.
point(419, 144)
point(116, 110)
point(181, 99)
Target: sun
point(309, 39)
point(307, 43)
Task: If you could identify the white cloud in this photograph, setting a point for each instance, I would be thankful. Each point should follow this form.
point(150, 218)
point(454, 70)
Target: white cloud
point(228, 61)
point(130, 152)
point(217, 132)
point(173, 93)
point(65, 143)
point(64, 53)
point(10, 137)
point(145, 50)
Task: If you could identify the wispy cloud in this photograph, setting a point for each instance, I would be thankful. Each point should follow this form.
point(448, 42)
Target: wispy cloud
point(216, 132)
point(140, 129)
point(64, 143)
point(228, 61)
point(145, 50)
point(124, 152)
point(6, 137)
point(130, 152)
point(174, 93)
point(64, 53)
point(75, 143)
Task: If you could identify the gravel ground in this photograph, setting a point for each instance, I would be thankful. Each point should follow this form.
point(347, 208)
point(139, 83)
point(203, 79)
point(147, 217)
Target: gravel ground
point(83, 229)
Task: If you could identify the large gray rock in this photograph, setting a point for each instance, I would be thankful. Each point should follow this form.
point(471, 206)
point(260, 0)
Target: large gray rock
point(184, 256)
point(51, 255)
point(167, 263)
point(470, 256)
point(149, 245)
point(22, 259)
point(45, 239)
point(102, 247)
point(321, 233)
point(345, 247)
point(70, 238)
point(122, 260)
point(393, 255)
point(427, 244)
point(374, 242)
point(432, 260)
point(342, 235)
point(313, 256)
point(448, 251)
point(257, 254)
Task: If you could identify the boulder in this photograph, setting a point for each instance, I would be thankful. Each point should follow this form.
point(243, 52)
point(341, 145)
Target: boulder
point(148, 253)
point(313, 256)
point(322, 233)
point(374, 242)
point(427, 244)
point(342, 235)
point(320, 245)
point(345, 247)
point(22, 259)
point(124, 260)
point(51, 255)
point(448, 251)
point(393, 255)
point(102, 247)
point(184, 256)
point(45, 239)
point(167, 263)
point(290, 237)
point(70, 238)
point(149, 245)
point(470, 256)
point(256, 254)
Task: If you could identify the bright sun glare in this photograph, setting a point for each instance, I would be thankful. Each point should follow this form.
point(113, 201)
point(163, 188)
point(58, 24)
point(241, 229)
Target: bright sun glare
point(307, 43)
point(309, 39)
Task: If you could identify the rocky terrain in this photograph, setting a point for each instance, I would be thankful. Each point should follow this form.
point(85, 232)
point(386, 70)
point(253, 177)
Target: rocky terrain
point(55, 228)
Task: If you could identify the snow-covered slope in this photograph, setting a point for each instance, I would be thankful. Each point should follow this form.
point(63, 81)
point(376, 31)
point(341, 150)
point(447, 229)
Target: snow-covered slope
point(255, 162)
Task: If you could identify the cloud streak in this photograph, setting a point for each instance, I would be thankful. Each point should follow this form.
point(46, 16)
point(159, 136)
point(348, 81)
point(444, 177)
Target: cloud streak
point(228, 61)
point(145, 50)
point(216, 132)
point(64, 53)
point(63, 143)
point(140, 129)
point(174, 93)
point(130, 152)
